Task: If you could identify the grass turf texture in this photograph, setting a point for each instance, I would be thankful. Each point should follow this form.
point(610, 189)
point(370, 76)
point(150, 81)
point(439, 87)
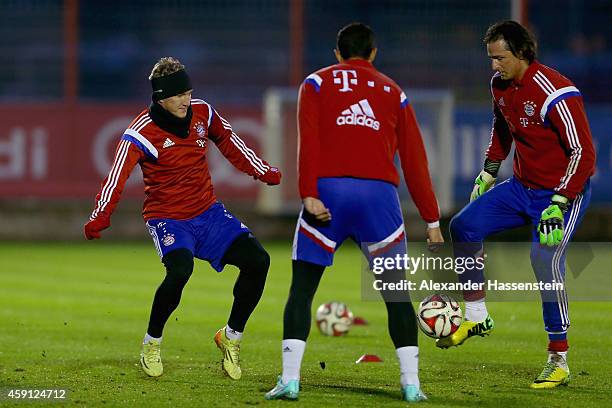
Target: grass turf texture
point(72, 316)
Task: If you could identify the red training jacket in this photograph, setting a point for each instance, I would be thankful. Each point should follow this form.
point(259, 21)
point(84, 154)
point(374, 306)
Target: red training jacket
point(544, 115)
point(176, 177)
point(352, 120)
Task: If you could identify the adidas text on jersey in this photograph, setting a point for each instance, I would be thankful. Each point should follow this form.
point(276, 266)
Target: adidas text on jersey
point(359, 114)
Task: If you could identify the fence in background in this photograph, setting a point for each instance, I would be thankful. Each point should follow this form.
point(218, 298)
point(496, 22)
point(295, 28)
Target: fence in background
point(75, 72)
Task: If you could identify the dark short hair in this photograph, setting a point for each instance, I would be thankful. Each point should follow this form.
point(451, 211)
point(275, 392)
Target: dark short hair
point(519, 40)
point(355, 40)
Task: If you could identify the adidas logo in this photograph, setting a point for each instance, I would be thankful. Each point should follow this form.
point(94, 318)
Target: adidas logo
point(168, 143)
point(287, 350)
point(501, 101)
point(359, 114)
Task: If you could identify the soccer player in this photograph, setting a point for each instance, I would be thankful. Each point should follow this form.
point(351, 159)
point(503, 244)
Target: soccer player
point(169, 141)
point(542, 112)
point(352, 121)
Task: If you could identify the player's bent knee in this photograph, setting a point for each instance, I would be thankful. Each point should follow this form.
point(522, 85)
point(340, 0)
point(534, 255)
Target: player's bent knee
point(259, 258)
point(179, 264)
point(262, 260)
point(461, 227)
point(248, 255)
point(455, 225)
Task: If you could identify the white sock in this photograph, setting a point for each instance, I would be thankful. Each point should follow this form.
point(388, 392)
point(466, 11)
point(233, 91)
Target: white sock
point(563, 354)
point(148, 338)
point(476, 311)
point(293, 352)
point(232, 334)
point(409, 365)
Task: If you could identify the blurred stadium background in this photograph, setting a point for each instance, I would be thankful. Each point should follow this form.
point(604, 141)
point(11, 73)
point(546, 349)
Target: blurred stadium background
point(74, 74)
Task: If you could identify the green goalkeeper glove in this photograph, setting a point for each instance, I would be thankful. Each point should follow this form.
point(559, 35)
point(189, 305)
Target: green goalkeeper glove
point(483, 183)
point(551, 221)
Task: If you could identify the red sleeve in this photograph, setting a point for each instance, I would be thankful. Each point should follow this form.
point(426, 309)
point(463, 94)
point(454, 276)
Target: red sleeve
point(127, 156)
point(569, 118)
point(308, 140)
point(414, 165)
point(234, 149)
point(501, 138)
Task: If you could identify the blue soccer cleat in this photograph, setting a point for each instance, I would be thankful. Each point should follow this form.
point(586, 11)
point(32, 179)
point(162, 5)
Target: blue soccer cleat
point(412, 393)
point(287, 391)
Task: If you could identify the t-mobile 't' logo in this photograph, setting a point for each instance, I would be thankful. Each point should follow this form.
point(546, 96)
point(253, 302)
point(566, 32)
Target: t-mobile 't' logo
point(345, 79)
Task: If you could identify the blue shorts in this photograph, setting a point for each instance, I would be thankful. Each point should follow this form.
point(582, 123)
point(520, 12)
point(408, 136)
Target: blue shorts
point(510, 204)
point(207, 236)
point(367, 211)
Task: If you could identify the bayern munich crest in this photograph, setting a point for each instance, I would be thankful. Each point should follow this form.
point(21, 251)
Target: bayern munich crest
point(529, 107)
point(168, 239)
point(199, 128)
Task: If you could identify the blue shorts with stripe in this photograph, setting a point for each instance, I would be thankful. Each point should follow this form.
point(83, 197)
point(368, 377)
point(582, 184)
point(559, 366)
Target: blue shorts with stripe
point(367, 211)
point(207, 236)
point(509, 205)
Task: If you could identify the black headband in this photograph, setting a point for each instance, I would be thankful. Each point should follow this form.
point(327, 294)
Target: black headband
point(170, 85)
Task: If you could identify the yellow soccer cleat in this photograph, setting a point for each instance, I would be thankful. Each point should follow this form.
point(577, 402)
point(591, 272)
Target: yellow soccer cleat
point(466, 330)
point(555, 373)
point(231, 354)
point(150, 359)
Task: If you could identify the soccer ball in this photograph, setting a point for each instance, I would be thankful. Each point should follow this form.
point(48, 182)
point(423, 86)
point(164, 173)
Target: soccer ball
point(439, 315)
point(334, 319)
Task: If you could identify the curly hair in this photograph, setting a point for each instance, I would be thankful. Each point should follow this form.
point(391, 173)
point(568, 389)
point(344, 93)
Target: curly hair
point(166, 66)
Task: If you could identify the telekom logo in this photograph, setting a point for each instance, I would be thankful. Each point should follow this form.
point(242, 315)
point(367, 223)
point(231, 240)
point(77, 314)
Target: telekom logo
point(345, 78)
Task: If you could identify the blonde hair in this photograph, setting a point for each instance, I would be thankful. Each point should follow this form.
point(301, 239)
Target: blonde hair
point(166, 66)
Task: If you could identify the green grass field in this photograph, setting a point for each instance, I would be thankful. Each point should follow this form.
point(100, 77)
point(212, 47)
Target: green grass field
point(72, 316)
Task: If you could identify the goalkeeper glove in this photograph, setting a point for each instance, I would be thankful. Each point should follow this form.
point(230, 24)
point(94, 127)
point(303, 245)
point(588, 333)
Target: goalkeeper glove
point(483, 183)
point(271, 177)
point(93, 227)
point(551, 221)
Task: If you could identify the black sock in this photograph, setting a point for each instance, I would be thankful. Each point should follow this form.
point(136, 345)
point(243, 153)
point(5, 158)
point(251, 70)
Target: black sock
point(401, 318)
point(304, 283)
point(253, 261)
point(402, 324)
point(179, 266)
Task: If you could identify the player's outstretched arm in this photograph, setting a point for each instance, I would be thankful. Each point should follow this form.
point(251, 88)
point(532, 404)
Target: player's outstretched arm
point(93, 227)
point(271, 177)
point(239, 154)
point(126, 157)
